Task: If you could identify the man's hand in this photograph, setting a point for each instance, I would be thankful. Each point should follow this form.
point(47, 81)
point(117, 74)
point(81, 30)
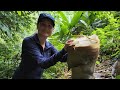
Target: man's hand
point(67, 44)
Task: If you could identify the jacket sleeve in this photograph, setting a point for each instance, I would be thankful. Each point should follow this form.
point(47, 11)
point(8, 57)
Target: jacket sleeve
point(64, 57)
point(31, 52)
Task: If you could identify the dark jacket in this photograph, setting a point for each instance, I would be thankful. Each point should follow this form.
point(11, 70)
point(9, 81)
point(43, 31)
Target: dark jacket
point(35, 59)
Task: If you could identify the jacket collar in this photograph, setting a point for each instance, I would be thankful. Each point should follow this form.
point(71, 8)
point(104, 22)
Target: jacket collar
point(47, 44)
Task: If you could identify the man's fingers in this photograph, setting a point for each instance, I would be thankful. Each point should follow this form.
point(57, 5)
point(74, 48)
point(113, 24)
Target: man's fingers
point(69, 41)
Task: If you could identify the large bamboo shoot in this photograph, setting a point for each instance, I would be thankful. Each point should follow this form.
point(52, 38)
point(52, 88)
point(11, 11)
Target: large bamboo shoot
point(82, 55)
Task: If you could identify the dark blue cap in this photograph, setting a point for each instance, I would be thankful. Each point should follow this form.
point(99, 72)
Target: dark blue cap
point(48, 16)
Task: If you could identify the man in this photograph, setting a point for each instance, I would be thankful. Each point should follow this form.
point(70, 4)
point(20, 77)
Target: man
point(37, 53)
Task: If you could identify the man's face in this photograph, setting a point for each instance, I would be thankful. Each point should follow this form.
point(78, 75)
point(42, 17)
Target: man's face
point(45, 28)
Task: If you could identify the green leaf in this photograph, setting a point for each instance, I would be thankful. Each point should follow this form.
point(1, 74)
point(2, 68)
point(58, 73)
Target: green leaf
point(91, 18)
point(9, 34)
point(64, 29)
point(86, 14)
point(2, 41)
point(97, 62)
point(117, 77)
point(64, 18)
point(55, 34)
point(113, 55)
point(84, 23)
point(75, 18)
point(88, 17)
point(3, 28)
point(19, 13)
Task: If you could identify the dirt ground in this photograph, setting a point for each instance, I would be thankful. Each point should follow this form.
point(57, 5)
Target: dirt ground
point(102, 71)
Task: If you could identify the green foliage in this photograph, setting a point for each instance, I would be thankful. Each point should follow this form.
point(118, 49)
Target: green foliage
point(14, 26)
point(56, 71)
point(65, 25)
point(75, 19)
point(109, 36)
point(117, 77)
